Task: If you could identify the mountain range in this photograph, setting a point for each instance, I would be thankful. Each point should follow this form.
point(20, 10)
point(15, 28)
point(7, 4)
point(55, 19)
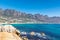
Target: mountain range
point(11, 14)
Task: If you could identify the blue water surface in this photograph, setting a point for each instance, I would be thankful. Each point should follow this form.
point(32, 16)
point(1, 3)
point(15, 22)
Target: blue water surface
point(52, 30)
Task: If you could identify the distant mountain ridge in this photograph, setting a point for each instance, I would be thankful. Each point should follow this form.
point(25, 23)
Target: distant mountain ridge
point(13, 14)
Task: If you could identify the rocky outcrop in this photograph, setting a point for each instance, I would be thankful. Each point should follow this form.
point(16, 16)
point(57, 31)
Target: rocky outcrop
point(9, 36)
point(7, 28)
point(8, 32)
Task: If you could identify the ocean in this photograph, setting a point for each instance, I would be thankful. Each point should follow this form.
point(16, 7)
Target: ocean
point(52, 30)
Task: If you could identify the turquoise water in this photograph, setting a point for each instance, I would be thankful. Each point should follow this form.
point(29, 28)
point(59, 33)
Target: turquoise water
point(52, 30)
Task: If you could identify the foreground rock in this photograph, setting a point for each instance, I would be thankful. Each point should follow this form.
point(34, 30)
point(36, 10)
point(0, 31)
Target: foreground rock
point(9, 36)
point(8, 32)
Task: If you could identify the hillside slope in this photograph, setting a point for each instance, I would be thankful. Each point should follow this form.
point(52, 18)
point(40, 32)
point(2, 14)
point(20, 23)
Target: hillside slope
point(13, 16)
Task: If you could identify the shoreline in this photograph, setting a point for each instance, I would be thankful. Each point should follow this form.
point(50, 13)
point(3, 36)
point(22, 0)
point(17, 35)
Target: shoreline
point(29, 23)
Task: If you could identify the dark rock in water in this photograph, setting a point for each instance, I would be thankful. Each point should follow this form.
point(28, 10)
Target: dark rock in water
point(34, 37)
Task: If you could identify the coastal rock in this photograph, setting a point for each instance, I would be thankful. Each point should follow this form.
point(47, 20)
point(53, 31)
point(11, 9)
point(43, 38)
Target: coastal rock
point(8, 32)
point(9, 36)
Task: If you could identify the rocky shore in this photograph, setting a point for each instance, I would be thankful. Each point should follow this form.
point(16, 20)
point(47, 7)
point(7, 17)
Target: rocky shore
point(9, 32)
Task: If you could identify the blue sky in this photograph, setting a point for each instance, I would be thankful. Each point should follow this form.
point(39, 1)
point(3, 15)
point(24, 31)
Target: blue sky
point(45, 7)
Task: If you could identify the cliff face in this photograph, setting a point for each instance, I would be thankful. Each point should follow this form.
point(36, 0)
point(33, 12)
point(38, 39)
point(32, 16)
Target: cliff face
point(13, 14)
